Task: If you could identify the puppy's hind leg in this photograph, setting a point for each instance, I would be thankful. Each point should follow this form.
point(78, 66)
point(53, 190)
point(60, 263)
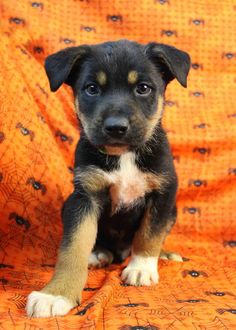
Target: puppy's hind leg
point(168, 255)
point(100, 257)
point(63, 292)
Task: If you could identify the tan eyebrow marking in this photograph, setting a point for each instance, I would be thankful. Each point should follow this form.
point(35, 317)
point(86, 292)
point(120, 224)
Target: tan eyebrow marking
point(132, 77)
point(102, 78)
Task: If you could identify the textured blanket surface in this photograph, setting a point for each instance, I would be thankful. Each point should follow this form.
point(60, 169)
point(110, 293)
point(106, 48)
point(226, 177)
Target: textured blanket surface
point(38, 135)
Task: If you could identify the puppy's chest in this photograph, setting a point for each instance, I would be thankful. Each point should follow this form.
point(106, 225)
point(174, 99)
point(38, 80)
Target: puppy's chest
point(128, 183)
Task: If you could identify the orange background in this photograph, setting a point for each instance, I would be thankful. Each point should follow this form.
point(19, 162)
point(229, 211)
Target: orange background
point(38, 135)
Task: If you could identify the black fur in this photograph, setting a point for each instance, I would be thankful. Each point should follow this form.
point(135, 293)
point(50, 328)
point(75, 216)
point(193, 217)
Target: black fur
point(156, 65)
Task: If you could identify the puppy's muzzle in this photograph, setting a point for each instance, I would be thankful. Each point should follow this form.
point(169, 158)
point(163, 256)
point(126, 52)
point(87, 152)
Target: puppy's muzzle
point(116, 127)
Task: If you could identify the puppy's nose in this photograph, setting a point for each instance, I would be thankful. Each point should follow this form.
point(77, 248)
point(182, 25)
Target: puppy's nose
point(116, 126)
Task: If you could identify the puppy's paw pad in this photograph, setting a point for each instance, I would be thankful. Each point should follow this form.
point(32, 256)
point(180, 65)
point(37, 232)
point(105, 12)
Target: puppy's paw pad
point(41, 304)
point(100, 258)
point(171, 256)
point(139, 277)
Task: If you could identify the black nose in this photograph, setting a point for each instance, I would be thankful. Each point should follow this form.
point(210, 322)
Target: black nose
point(116, 126)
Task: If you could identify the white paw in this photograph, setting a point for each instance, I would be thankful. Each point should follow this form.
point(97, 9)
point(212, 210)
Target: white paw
point(171, 256)
point(41, 304)
point(141, 271)
point(100, 258)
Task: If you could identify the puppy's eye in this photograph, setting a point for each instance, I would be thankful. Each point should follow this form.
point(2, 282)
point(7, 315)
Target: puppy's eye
point(143, 89)
point(92, 90)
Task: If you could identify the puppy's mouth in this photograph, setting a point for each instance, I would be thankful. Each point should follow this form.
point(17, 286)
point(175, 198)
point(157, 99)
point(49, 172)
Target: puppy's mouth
point(116, 149)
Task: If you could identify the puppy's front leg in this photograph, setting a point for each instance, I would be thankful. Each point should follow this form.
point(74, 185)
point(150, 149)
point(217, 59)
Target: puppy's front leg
point(148, 240)
point(63, 292)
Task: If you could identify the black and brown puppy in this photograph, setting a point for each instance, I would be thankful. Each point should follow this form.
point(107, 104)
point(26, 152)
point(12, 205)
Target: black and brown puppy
point(124, 178)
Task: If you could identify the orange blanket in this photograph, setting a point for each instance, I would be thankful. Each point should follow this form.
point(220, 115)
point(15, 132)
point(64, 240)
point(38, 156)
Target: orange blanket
point(38, 135)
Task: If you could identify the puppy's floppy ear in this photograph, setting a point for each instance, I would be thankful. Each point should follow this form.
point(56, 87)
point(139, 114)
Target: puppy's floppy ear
point(59, 66)
point(172, 62)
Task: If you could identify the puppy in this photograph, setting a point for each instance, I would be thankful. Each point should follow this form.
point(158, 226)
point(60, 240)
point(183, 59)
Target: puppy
point(125, 183)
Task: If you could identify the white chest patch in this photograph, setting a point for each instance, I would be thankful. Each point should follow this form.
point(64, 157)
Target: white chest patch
point(128, 182)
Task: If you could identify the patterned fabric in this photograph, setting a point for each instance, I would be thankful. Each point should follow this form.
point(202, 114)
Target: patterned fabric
point(38, 135)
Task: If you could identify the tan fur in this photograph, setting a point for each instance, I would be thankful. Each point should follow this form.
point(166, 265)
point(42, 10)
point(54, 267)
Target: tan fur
point(101, 78)
point(145, 243)
point(93, 179)
point(153, 121)
point(72, 265)
point(132, 77)
point(77, 105)
point(156, 181)
point(81, 116)
point(115, 151)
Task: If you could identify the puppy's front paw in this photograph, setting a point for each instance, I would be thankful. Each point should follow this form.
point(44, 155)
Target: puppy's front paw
point(41, 304)
point(141, 271)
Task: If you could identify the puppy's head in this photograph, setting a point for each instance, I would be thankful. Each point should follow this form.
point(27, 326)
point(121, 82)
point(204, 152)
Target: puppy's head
point(118, 88)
